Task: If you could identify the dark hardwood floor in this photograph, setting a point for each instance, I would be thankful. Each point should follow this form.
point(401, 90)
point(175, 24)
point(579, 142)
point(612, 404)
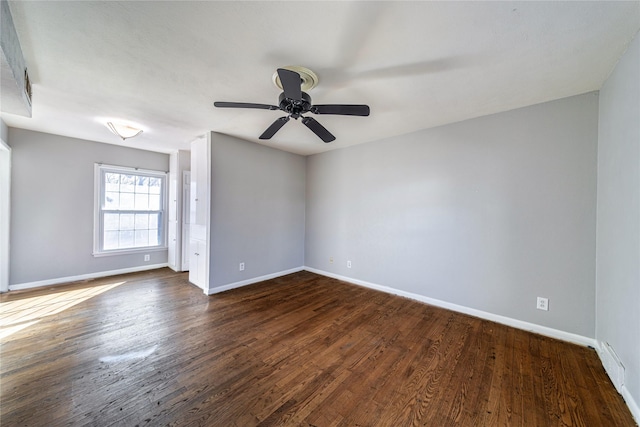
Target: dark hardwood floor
point(149, 349)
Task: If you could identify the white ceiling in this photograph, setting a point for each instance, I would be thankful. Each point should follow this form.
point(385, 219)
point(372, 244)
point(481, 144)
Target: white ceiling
point(162, 64)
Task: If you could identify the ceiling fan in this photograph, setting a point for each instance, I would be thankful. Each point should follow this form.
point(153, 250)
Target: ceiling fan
point(295, 103)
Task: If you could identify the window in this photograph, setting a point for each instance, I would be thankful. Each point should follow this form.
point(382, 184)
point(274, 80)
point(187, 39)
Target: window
point(130, 206)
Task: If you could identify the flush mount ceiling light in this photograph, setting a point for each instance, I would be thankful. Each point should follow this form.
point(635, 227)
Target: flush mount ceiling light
point(123, 131)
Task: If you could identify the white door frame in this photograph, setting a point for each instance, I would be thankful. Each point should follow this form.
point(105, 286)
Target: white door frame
point(5, 212)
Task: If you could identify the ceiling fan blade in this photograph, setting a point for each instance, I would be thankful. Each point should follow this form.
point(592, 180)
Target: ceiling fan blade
point(318, 129)
point(244, 105)
point(275, 127)
point(291, 83)
point(341, 109)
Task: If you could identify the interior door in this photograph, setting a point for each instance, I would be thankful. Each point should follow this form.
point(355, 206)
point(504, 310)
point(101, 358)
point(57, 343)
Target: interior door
point(186, 218)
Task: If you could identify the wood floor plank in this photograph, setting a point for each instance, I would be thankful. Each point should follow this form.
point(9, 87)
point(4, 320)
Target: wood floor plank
point(149, 349)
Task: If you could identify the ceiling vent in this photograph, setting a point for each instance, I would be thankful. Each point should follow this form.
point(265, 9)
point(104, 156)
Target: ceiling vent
point(15, 85)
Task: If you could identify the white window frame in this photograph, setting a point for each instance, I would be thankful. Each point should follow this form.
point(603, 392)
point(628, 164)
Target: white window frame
point(98, 224)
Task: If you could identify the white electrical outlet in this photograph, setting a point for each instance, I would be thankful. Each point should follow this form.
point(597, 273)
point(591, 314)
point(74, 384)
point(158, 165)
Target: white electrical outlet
point(330, 260)
point(348, 264)
point(242, 266)
point(147, 257)
point(543, 304)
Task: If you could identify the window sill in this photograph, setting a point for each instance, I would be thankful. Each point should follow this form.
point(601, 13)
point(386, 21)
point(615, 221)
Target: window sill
point(129, 251)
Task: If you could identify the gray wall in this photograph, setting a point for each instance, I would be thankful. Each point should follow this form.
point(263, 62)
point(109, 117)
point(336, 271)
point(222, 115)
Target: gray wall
point(618, 228)
point(52, 205)
point(257, 210)
point(487, 213)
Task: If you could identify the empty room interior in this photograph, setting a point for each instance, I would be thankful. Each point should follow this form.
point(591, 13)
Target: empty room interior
point(315, 213)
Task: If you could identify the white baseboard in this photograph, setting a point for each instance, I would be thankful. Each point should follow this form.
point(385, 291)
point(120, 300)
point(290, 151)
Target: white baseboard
point(519, 324)
point(626, 395)
point(235, 285)
point(56, 281)
point(631, 403)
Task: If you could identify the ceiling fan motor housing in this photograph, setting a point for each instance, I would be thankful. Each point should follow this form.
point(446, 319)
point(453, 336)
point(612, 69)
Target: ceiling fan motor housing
point(295, 107)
